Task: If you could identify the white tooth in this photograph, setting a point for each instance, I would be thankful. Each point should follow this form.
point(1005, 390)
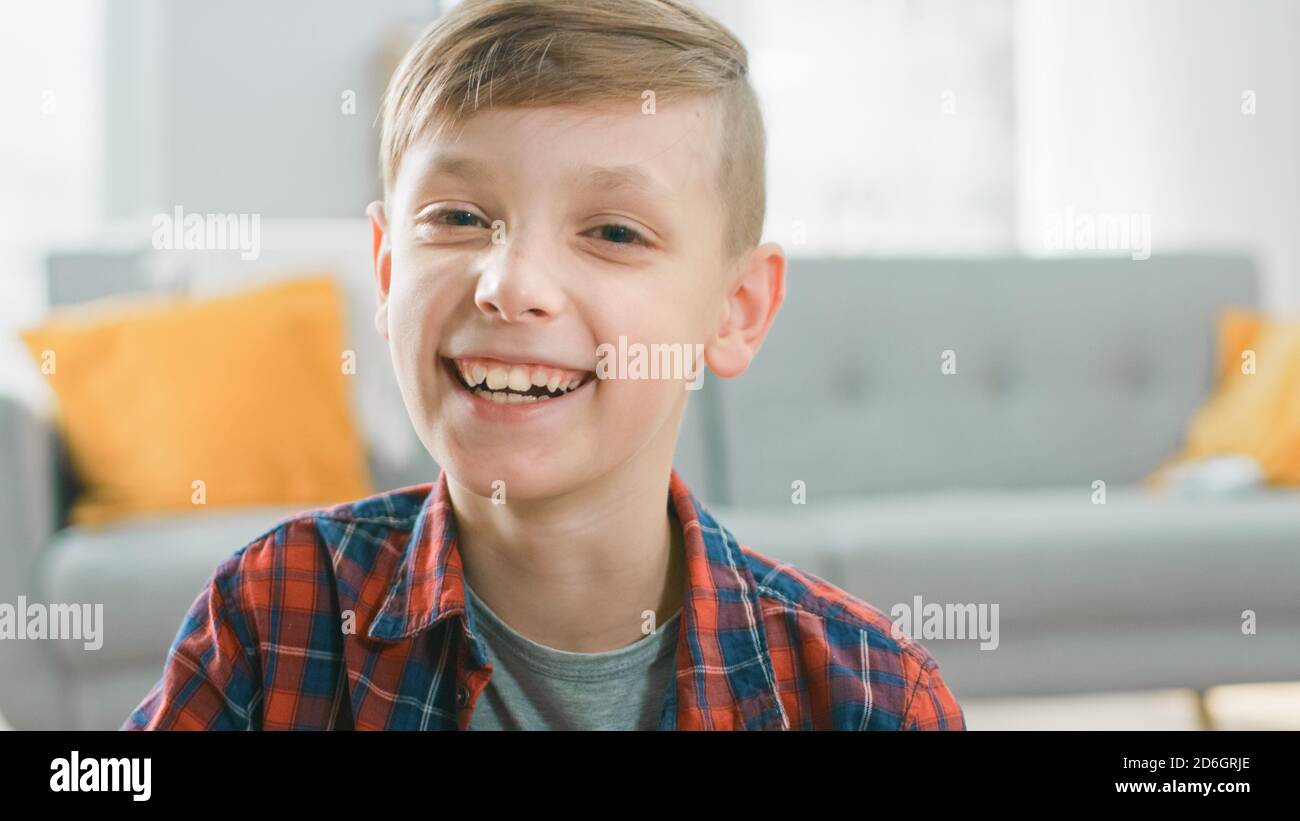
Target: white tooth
point(539, 377)
point(530, 398)
point(497, 378)
point(553, 382)
point(498, 396)
point(544, 397)
point(574, 383)
point(520, 380)
point(514, 398)
point(477, 374)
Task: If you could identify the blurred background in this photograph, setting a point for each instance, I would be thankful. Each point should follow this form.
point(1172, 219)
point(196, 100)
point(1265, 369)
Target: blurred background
point(1040, 354)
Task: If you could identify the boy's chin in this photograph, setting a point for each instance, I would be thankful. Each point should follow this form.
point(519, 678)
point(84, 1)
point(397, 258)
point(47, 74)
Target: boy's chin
point(517, 478)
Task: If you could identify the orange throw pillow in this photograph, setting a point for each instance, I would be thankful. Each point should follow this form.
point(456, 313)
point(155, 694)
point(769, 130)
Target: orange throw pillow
point(1251, 414)
point(173, 404)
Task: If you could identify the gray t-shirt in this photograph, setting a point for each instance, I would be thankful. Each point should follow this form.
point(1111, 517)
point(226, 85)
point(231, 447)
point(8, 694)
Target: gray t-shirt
point(535, 687)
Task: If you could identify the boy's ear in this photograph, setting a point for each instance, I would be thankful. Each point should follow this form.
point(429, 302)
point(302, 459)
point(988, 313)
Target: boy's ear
point(749, 311)
point(383, 259)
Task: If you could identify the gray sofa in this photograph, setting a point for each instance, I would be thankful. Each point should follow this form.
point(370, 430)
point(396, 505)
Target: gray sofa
point(971, 487)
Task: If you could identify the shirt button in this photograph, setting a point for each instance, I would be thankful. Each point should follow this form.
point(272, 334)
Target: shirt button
point(462, 695)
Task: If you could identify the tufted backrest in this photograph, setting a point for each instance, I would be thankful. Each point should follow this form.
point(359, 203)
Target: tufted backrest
point(1066, 370)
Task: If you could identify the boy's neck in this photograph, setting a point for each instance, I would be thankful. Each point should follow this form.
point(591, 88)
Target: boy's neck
point(577, 572)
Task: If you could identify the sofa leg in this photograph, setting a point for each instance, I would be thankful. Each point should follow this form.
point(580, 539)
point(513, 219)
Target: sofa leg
point(1203, 715)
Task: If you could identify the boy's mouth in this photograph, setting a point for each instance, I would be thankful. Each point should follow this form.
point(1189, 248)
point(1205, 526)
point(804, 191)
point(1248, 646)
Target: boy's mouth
point(493, 380)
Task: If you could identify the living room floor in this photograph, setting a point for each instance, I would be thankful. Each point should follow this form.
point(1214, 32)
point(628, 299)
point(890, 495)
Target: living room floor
point(1239, 707)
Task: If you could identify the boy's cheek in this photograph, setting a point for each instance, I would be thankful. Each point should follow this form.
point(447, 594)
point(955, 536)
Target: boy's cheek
point(416, 310)
point(627, 401)
point(412, 342)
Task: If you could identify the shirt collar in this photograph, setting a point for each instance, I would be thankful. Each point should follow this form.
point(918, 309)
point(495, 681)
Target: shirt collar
point(724, 676)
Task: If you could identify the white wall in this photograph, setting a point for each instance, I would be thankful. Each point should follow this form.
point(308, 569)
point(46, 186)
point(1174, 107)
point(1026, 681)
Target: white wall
point(889, 122)
point(51, 154)
point(236, 107)
point(1136, 107)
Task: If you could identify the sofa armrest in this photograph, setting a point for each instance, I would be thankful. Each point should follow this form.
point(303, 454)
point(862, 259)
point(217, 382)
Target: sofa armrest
point(33, 693)
point(28, 494)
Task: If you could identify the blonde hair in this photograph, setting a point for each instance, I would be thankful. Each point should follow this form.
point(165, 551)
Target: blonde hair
point(551, 52)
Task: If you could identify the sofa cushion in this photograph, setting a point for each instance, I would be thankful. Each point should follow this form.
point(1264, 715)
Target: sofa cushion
point(1050, 558)
point(146, 571)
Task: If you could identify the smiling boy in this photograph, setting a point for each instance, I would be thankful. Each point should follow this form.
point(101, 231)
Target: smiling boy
point(557, 176)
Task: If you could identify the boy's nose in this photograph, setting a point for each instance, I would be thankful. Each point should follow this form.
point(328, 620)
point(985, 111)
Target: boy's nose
point(516, 288)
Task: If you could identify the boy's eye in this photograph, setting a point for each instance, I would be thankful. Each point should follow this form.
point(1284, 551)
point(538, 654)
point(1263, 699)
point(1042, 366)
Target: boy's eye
point(620, 235)
point(457, 217)
point(612, 233)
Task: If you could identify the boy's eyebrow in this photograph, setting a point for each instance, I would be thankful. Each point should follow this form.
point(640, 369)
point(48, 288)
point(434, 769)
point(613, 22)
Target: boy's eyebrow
point(595, 177)
point(467, 168)
point(612, 178)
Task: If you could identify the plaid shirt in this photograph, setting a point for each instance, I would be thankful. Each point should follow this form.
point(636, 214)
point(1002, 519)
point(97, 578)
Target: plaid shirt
point(268, 643)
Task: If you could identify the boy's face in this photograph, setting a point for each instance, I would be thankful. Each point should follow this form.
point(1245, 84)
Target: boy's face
point(517, 247)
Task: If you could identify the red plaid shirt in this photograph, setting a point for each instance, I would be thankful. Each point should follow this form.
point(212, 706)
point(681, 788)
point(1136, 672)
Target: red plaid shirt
point(267, 643)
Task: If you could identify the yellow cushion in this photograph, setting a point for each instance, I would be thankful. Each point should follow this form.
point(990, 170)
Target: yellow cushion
point(1255, 415)
point(172, 403)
